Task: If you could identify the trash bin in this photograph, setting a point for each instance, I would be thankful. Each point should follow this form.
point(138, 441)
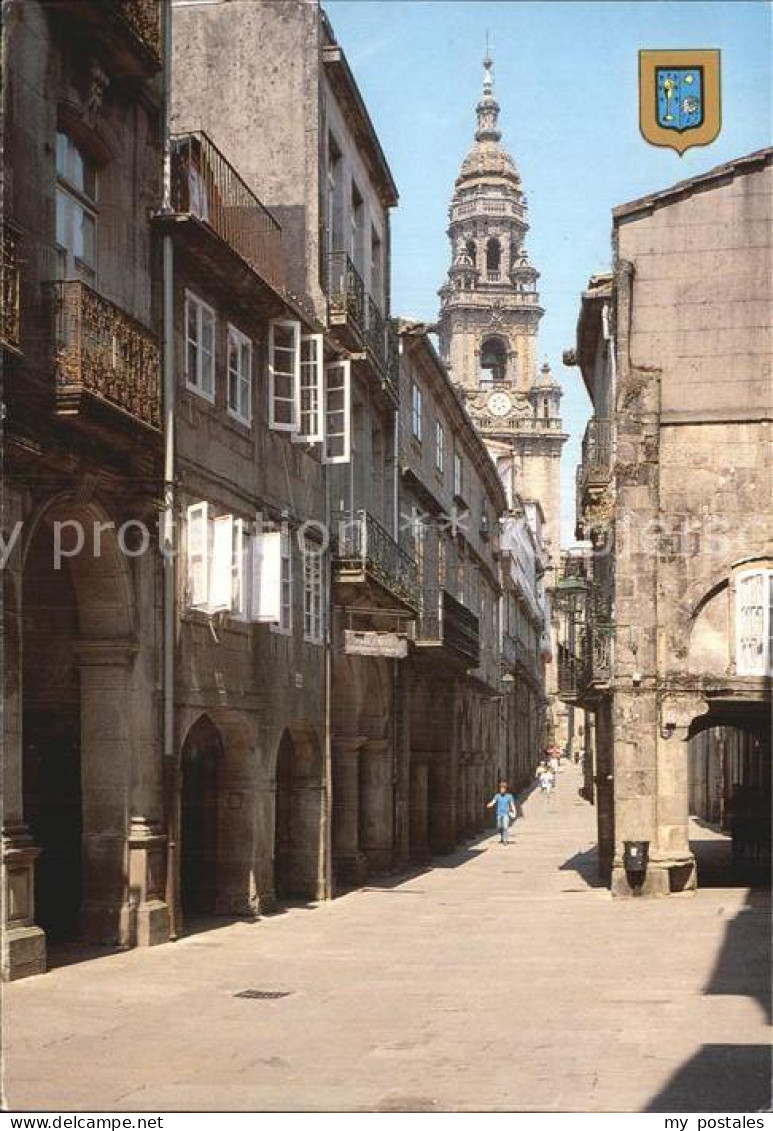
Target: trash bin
point(635, 853)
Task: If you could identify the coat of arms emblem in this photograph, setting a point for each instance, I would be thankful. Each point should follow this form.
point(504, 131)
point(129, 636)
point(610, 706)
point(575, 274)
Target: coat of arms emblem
point(679, 98)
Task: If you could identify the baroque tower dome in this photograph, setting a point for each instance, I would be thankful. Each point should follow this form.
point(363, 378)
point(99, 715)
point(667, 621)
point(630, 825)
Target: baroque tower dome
point(489, 318)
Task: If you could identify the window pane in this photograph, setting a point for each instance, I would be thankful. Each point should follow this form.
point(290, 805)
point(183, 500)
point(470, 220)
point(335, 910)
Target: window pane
point(63, 237)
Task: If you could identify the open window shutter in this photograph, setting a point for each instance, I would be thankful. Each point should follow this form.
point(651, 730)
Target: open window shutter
point(310, 390)
point(221, 571)
point(266, 578)
point(336, 446)
point(198, 555)
point(239, 569)
point(284, 374)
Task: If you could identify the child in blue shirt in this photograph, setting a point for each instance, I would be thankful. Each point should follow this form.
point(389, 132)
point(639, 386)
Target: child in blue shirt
point(505, 806)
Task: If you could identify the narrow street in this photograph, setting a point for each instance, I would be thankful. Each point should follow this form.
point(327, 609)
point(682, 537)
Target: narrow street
point(500, 979)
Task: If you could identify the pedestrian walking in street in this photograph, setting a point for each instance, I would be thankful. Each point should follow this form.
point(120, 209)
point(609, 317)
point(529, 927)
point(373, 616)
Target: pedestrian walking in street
point(505, 811)
point(545, 779)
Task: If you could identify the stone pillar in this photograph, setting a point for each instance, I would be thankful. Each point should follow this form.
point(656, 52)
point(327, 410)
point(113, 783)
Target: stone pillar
point(444, 803)
point(349, 863)
point(419, 807)
point(110, 902)
point(145, 917)
point(23, 943)
point(599, 768)
point(403, 782)
point(377, 804)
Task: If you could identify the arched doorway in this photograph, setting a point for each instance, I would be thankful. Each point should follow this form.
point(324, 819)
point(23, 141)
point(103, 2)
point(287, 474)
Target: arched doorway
point(53, 803)
point(729, 783)
point(298, 817)
point(201, 767)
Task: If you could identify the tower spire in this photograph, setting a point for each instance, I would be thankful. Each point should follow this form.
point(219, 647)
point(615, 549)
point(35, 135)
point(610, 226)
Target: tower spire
point(488, 107)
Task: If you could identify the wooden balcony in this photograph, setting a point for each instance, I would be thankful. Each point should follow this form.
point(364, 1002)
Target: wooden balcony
point(226, 216)
point(10, 315)
point(365, 554)
point(107, 364)
point(446, 624)
point(128, 32)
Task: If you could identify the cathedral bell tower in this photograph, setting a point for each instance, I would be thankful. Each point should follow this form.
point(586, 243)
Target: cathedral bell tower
point(489, 321)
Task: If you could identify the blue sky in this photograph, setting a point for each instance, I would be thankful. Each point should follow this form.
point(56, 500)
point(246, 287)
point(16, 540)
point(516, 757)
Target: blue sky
point(566, 78)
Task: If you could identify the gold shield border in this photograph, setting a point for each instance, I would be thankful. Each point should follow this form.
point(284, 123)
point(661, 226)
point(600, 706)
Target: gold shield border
point(712, 98)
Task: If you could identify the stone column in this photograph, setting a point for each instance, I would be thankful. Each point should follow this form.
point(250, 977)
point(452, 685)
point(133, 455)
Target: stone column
point(111, 900)
point(349, 863)
point(419, 807)
point(23, 943)
point(377, 803)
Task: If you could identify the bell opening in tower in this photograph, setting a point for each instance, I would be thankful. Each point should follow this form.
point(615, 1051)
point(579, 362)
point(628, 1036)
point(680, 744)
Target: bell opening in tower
point(493, 362)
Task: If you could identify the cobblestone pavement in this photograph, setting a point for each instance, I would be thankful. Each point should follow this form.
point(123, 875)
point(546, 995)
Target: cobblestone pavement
point(500, 979)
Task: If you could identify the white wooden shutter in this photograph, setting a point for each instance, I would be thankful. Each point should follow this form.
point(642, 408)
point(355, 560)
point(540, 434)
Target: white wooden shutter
point(336, 446)
point(197, 529)
point(239, 569)
point(310, 390)
point(751, 624)
point(221, 567)
point(266, 577)
point(284, 374)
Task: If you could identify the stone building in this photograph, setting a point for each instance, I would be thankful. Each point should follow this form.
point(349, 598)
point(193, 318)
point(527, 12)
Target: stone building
point(307, 148)
point(489, 321)
point(82, 782)
point(667, 638)
point(248, 795)
point(451, 502)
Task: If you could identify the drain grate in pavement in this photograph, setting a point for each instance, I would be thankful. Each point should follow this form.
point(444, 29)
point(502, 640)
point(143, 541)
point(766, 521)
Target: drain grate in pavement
point(263, 995)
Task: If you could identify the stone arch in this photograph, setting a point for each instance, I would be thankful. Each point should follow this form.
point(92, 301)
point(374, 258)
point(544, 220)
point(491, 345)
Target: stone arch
point(79, 721)
point(493, 254)
point(493, 359)
point(299, 810)
point(201, 767)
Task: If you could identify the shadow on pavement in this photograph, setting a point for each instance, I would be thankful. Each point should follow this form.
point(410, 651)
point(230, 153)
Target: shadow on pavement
point(726, 1078)
point(586, 864)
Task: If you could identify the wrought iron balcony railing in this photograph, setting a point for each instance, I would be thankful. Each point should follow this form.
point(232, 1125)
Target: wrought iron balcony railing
point(363, 543)
point(10, 315)
point(445, 621)
point(392, 370)
point(144, 19)
point(206, 185)
point(129, 32)
point(595, 469)
point(346, 292)
point(105, 352)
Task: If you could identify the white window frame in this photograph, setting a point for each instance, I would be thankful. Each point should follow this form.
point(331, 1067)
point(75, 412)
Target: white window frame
point(242, 410)
point(311, 390)
point(284, 626)
point(221, 564)
point(458, 475)
point(265, 577)
point(440, 447)
point(277, 422)
point(195, 382)
point(338, 385)
point(197, 514)
point(313, 588)
point(762, 664)
point(417, 422)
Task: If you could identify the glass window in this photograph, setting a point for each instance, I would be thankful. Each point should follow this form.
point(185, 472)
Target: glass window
point(312, 592)
point(76, 191)
point(239, 375)
point(440, 446)
point(199, 346)
point(285, 624)
point(416, 410)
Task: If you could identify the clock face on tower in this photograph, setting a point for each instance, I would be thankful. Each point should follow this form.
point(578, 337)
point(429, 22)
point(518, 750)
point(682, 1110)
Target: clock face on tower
point(499, 403)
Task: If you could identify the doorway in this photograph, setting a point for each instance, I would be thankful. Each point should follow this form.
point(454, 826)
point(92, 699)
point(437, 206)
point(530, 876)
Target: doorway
point(201, 767)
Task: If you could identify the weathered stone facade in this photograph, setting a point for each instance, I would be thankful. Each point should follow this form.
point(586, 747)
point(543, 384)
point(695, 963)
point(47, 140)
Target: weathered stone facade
point(674, 496)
